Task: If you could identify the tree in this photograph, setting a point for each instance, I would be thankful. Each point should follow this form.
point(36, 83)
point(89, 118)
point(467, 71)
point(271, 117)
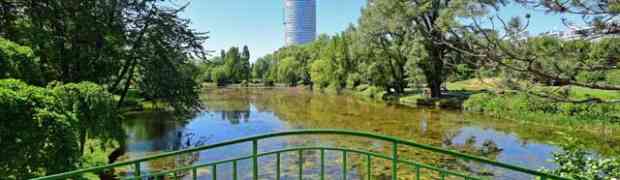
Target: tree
point(245, 64)
point(19, 62)
point(165, 39)
point(260, 68)
point(331, 64)
point(94, 113)
point(582, 62)
point(105, 42)
point(288, 71)
point(53, 125)
point(233, 65)
point(387, 30)
point(396, 28)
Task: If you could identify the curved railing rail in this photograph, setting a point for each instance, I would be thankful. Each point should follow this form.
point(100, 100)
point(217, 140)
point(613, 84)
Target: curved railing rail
point(393, 157)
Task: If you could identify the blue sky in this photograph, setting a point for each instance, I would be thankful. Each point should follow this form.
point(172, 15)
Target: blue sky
point(259, 23)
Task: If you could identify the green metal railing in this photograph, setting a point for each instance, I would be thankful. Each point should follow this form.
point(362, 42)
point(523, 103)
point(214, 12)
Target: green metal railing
point(369, 156)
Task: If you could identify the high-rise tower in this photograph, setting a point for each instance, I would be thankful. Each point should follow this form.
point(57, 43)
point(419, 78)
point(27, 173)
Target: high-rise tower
point(299, 21)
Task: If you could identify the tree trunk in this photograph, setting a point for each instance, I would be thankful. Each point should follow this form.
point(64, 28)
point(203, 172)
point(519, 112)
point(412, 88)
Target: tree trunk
point(127, 84)
point(82, 140)
point(435, 86)
point(434, 74)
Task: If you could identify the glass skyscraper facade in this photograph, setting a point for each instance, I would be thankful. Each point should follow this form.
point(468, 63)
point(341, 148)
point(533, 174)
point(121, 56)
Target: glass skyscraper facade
point(300, 21)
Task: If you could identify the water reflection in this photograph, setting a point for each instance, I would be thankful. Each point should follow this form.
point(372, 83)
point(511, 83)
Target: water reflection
point(233, 113)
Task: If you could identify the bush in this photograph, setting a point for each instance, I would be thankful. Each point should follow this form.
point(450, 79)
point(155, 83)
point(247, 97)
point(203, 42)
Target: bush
point(19, 62)
point(576, 163)
point(37, 135)
point(530, 107)
point(42, 130)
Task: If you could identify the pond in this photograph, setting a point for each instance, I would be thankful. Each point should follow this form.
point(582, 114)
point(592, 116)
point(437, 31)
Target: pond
point(231, 113)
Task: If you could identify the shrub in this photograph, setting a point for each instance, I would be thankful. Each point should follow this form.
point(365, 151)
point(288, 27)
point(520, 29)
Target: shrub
point(576, 163)
point(18, 61)
point(37, 135)
point(42, 130)
point(525, 106)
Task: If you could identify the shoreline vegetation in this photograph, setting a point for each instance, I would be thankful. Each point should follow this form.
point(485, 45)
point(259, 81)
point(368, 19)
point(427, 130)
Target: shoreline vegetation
point(485, 96)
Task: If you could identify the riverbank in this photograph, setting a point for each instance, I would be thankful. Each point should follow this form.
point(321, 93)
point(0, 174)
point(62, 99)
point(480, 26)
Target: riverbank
point(487, 96)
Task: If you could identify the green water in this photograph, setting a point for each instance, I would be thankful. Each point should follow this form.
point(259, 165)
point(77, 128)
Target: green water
point(234, 113)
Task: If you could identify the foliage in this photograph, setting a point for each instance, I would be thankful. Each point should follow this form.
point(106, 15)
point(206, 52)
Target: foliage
point(395, 44)
point(44, 130)
point(37, 136)
point(613, 77)
point(260, 68)
point(576, 163)
point(231, 67)
point(92, 109)
point(385, 28)
point(287, 71)
point(174, 86)
point(19, 62)
point(528, 107)
point(112, 43)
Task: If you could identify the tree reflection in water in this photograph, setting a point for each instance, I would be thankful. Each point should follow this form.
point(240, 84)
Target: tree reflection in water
point(234, 113)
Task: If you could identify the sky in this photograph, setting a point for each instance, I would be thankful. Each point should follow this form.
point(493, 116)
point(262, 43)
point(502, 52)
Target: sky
point(259, 23)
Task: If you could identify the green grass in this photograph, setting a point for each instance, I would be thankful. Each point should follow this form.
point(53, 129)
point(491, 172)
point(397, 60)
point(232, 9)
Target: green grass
point(581, 92)
point(411, 98)
point(474, 84)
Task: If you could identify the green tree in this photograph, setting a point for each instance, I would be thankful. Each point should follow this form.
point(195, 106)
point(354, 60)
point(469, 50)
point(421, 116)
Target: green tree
point(395, 27)
point(260, 68)
point(288, 71)
point(332, 64)
point(44, 130)
point(386, 28)
point(109, 43)
point(245, 64)
point(19, 62)
point(585, 61)
point(220, 75)
point(94, 115)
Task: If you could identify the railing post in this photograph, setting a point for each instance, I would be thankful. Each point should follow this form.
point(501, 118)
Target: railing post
point(137, 171)
point(322, 164)
point(344, 165)
point(369, 166)
point(215, 172)
point(417, 172)
point(255, 159)
point(301, 164)
point(234, 168)
point(395, 161)
point(278, 166)
point(194, 174)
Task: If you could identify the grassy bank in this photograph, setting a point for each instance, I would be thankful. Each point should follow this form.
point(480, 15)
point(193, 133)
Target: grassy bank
point(487, 96)
point(135, 102)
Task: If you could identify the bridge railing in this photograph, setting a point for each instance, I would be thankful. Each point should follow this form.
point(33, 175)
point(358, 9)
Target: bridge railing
point(393, 156)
